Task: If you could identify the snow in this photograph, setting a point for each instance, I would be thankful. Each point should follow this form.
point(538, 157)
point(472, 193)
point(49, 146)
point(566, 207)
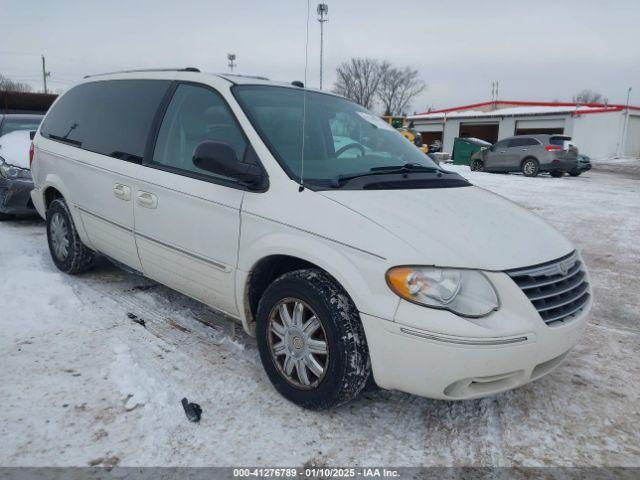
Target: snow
point(510, 111)
point(82, 384)
point(14, 148)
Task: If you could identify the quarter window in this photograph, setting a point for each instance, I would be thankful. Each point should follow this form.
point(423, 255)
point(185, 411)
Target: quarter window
point(108, 117)
point(195, 114)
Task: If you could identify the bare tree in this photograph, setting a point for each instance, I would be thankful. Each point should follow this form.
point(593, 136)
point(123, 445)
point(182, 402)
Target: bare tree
point(7, 85)
point(398, 87)
point(359, 79)
point(588, 96)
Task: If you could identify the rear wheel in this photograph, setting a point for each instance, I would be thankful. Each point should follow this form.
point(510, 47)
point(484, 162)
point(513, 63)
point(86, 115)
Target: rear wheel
point(476, 165)
point(530, 167)
point(311, 340)
point(6, 216)
point(556, 174)
point(68, 252)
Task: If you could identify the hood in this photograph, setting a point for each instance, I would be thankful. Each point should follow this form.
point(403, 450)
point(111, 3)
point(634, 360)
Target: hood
point(14, 148)
point(458, 227)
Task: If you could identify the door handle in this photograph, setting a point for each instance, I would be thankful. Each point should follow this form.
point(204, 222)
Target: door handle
point(147, 200)
point(122, 192)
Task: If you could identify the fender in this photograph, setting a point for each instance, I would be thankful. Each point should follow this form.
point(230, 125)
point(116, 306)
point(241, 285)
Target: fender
point(52, 180)
point(362, 275)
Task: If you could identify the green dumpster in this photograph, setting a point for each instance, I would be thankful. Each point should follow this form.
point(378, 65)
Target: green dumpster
point(463, 148)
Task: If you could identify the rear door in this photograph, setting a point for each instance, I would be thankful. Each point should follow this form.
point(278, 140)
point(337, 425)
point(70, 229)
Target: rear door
point(187, 220)
point(518, 149)
point(100, 130)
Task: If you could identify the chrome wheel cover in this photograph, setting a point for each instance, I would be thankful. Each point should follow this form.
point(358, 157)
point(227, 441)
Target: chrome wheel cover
point(298, 343)
point(59, 236)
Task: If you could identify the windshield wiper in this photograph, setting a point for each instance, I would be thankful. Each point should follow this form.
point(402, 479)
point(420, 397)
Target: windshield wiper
point(406, 168)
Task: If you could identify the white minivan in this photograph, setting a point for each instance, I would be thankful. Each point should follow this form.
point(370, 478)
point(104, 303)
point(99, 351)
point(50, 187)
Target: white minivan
point(346, 251)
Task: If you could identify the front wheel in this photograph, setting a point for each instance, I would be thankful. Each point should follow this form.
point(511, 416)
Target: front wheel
point(476, 165)
point(311, 340)
point(556, 174)
point(530, 167)
point(575, 173)
point(67, 250)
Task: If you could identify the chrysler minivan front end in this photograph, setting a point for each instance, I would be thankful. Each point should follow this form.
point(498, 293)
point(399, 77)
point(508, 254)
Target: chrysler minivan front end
point(460, 334)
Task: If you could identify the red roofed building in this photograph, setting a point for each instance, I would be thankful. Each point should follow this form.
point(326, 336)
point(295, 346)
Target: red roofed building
point(599, 130)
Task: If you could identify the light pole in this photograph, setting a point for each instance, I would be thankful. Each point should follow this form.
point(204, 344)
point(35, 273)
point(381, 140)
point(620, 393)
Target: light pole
point(231, 57)
point(323, 9)
point(626, 124)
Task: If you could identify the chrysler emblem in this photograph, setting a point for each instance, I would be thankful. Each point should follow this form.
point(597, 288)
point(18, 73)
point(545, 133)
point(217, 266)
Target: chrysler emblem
point(563, 268)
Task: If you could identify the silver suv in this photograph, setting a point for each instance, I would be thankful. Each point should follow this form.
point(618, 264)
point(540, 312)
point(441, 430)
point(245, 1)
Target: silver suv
point(529, 154)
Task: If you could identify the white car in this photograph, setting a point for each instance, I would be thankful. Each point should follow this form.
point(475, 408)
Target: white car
point(343, 266)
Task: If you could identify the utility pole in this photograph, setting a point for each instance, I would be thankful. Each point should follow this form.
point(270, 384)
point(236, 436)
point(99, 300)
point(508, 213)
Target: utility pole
point(231, 57)
point(323, 9)
point(45, 74)
point(626, 124)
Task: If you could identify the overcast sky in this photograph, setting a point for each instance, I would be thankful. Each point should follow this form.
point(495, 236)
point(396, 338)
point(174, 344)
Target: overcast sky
point(538, 50)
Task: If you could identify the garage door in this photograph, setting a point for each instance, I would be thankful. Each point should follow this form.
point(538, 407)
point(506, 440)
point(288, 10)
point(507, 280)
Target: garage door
point(484, 131)
point(553, 126)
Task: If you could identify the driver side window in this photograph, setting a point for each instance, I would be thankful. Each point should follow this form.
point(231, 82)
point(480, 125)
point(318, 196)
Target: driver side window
point(194, 115)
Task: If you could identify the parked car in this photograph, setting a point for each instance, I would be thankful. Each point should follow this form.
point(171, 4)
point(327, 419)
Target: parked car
point(529, 154)
point(584, 165)
point(15, 176)
point(343, 266)
point(10, 122)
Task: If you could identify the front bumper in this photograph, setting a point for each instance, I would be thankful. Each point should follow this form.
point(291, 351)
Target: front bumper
point(15, 196)
point(511, 347)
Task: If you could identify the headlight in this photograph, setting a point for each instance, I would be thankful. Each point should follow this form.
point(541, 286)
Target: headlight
point(9, 171)
point(468, 293)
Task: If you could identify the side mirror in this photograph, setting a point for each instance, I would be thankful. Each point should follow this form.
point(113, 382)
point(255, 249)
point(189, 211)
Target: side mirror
point(32, 134)
point(221, 159)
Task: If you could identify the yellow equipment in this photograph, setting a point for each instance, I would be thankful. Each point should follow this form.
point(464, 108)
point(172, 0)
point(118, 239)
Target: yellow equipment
point(406, 131)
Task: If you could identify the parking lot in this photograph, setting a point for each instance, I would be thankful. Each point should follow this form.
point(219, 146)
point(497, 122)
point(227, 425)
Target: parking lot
point(83, 384)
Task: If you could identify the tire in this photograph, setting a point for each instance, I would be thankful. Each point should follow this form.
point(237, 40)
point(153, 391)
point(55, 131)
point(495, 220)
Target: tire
point(556, 174)
point(476, 165)
point(530, 167)
point(575, 173)
point(6, 216)
point(344, 369)
point(68, 252)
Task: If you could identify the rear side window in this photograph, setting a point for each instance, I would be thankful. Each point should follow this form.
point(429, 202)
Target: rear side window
point(523, 142)
point(559, 141)
point(112, 118)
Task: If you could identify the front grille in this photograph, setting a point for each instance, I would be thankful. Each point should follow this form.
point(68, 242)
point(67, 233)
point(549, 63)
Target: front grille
point(558, 289)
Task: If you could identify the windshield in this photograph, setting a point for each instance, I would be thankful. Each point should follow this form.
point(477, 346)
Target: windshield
point(341, 137)
point(13, 124)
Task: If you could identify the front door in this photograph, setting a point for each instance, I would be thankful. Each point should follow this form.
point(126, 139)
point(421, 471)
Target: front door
point(496, 157)
point(187, 221)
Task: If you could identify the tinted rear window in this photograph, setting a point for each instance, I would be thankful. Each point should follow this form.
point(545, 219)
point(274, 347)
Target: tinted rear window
point(13, 124)
point(109, 117)
point(559, 141)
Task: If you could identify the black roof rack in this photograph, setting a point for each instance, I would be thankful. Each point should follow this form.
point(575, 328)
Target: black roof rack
point(186, 69)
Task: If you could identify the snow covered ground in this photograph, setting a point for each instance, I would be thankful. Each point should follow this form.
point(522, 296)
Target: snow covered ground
point(82, 384)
